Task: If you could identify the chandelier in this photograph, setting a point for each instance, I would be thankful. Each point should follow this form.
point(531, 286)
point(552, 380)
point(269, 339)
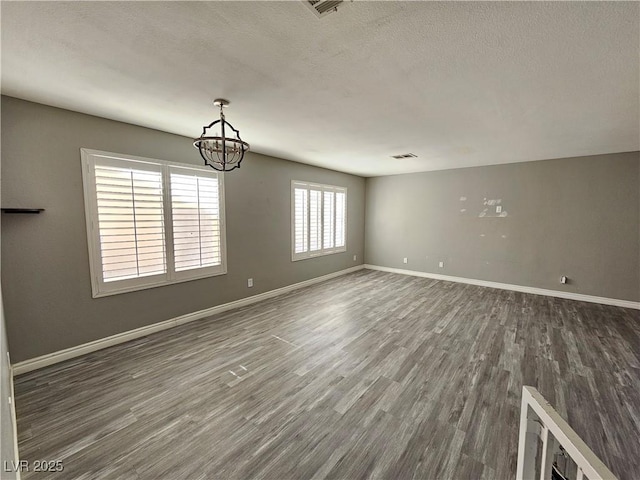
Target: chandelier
point(224, 150)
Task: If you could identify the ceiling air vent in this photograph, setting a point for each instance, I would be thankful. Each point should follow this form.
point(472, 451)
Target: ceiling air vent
point(323, 7)
point(404, 155)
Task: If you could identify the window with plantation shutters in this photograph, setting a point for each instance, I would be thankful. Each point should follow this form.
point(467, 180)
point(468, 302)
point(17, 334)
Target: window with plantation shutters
point(318, 219)
point(150, 222)
point(195, 208)
point(130, 222)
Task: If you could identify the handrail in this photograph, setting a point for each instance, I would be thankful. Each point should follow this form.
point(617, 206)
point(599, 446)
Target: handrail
point(550, 427)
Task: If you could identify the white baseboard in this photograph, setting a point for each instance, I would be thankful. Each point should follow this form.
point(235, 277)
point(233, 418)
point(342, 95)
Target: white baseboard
point(62, 355)
point(516, 288)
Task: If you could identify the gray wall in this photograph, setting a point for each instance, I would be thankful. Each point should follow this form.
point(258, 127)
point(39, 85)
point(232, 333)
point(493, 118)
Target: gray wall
point(45, 274)
point(7, 433)
point(577, 217)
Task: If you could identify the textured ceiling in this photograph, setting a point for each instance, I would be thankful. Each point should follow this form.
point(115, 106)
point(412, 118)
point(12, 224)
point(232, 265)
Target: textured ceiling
point(458, 84)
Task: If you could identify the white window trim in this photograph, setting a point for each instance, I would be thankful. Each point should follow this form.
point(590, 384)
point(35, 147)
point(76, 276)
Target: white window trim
point(103, 289)
point(322, 252)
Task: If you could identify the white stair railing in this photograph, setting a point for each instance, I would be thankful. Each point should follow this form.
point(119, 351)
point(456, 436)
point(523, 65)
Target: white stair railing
point(540, 422)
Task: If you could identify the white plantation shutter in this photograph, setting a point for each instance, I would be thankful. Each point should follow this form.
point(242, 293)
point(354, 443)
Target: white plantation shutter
point(195, 210)
point(301, 220)
point(319, 210)
point(150, 222)
point(341, 218)
point(329, 207)
point(315, 214)
point(130, 222)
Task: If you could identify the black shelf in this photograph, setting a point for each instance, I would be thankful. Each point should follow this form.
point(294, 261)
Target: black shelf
point(22, 210)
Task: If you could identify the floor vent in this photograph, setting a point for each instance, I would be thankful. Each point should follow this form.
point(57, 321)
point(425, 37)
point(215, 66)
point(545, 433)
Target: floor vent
point(404, 155)
point(323, 7)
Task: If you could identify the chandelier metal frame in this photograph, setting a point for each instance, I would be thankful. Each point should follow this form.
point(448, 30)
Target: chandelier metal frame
point(222, 153)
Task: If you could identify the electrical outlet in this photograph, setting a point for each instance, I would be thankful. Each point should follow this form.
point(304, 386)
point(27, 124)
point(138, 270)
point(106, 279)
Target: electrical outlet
point(250, 283)
point(405, 260)
point(499, 209)
point(563, 279)
point(441, 264)
point(355, 257)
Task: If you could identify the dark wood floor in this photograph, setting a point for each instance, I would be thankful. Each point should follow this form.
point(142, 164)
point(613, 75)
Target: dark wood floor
point(370, 375)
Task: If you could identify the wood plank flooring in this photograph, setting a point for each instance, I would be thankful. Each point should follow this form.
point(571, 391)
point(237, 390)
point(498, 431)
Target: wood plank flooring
point(369, 375)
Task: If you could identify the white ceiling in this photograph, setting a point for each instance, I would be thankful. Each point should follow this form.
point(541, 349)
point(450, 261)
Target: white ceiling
point(458, 84)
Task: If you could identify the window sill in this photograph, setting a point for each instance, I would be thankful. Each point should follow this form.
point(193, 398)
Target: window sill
point(96, 293)
point(306, 256)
